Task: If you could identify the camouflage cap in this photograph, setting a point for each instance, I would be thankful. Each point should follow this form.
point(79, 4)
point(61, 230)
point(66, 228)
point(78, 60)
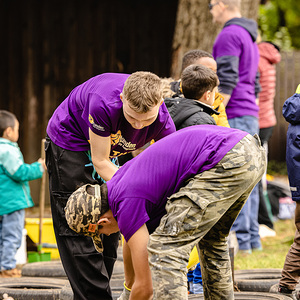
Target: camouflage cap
point(83, 211)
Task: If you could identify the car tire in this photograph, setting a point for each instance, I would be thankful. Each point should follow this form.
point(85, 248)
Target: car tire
point(256, 280)
point(248, 296)
point(44, 269)
point(29, 288)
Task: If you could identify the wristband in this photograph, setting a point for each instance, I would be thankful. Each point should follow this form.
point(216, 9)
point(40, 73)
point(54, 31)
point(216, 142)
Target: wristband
point(128, 289)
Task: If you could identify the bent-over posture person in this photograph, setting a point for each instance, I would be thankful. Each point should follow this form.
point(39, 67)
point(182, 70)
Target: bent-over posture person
point(105, 117)
point(191, 187)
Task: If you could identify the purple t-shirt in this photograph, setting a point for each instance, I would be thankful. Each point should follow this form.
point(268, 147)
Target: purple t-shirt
point(237, 56)
point(96, 104)
point(138, 191)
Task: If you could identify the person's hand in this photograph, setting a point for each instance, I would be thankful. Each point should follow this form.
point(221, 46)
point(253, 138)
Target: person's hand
point(125, 294)
point(42, 162)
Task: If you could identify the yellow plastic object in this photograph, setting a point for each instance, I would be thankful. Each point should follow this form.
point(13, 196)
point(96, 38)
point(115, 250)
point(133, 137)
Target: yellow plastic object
point(194, 258)
point(48, 237)
point(298, 89)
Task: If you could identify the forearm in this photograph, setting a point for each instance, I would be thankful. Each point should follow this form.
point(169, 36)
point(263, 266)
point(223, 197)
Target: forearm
point(137, 244)
point(128, 267)
point(140, 291)
point(105, 168)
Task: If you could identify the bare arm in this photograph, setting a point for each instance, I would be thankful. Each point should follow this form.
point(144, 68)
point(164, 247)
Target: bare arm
point(128, 267)
point(142, 286)
point(100, 150)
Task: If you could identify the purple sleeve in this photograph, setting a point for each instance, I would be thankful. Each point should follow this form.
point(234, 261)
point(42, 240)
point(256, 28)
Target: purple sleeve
point(169, 126)
point(99, 120)
point(131, 215)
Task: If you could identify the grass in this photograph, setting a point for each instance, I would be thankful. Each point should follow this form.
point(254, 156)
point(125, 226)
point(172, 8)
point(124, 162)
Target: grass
point(274, 249)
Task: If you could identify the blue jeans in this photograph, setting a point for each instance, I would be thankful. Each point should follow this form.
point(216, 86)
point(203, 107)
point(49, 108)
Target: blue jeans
point(11, 227)
point(246, 224)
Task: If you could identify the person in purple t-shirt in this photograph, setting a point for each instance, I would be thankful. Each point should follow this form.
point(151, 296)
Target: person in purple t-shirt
point(191, 187)
point(236, 53)
point(101, 119)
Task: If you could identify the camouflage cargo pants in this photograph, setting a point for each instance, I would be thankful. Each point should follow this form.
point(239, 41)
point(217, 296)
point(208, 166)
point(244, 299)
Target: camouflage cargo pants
point(203, 212)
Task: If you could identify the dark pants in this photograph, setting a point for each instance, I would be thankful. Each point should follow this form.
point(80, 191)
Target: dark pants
point(291, 270)
point(264, 216)
point(88, 271)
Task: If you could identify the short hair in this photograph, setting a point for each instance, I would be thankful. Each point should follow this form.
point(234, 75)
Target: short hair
point(192, 56)
point(196, 80)
point(7, 119)
point(143, 91)
point(232, 4)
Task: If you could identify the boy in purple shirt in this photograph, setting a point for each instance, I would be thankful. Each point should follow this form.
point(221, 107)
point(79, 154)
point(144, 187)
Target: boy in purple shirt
point(190, 189)
point(103, 118)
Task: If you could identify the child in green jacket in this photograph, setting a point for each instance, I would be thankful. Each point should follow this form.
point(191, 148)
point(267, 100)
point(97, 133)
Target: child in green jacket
point(14, 192)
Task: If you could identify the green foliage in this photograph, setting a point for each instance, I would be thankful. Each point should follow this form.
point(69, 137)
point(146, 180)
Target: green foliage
point(277, 168)
point(279, 22)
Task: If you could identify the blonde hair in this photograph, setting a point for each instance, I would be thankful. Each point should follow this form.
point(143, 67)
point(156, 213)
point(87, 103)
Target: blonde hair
point(232, 4)
point(143, 91)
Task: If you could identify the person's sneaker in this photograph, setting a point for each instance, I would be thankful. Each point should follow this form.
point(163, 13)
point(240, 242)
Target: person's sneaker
point(257, 249)
point(289, 293)
point(245, 252)
point(10, 273)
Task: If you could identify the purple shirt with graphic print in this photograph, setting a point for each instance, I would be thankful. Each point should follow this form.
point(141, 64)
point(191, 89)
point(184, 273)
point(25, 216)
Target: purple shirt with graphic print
point(96, 104)
point(138, 192)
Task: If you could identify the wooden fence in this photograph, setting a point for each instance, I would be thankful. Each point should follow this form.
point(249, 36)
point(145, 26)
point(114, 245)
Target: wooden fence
point(49, 47)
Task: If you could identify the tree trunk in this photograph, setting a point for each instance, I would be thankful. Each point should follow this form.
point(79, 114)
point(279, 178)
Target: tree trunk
point(195, 30)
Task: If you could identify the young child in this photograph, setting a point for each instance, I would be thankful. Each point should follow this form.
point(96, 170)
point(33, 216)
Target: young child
point(199, 85)
point(14, 191)
point(291, 270)
point(173, 89)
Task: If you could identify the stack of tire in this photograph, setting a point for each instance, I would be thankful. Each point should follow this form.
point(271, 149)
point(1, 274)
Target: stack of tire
point(255, 284)
point(48, 281)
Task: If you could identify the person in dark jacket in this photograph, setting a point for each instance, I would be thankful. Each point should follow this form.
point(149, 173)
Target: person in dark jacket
point(199, 85)
point(172, 88)
point(291, 270)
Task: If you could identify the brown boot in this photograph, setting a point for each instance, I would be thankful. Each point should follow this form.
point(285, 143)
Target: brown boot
point(10, 273)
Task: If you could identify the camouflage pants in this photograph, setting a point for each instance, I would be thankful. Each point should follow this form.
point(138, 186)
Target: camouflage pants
point(202, 212)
